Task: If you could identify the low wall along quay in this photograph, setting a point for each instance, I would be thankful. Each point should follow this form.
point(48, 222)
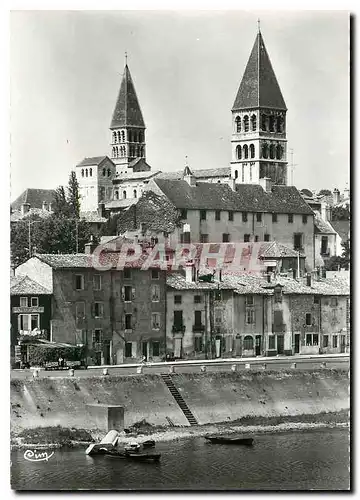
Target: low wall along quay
point(211, 397)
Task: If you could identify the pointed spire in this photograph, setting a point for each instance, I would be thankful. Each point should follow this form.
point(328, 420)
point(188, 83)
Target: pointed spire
point(187, 170)
point(127, 112)
point(259, 86)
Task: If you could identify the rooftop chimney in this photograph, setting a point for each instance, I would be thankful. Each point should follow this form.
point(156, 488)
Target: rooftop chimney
point(308, 279)
point(189, 273)
point(90, 246)
point(266, 184)
point(188, 176)
point(44, 205)
point(25, 207)
point(336, 196)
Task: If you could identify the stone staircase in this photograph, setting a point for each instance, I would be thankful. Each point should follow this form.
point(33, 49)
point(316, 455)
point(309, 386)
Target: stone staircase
point(179, 399)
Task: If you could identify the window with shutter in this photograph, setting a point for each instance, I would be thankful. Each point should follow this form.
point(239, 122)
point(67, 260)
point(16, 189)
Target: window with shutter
point(123, 293)
point(128, 321)
point(155, 293)
point(155, 321)
point(128, 293)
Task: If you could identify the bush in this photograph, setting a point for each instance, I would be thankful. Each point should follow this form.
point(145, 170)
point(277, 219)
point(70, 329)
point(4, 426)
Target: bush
point(40, 354)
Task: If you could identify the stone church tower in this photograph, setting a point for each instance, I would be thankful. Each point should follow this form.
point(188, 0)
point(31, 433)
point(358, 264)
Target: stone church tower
point(258, 118)
point(127, 145)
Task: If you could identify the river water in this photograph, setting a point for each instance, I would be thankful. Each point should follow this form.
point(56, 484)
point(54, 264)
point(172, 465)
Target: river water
point(315, 459)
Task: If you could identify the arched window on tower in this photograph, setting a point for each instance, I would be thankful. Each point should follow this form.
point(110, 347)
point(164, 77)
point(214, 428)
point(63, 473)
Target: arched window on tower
point(253, 122)
point(104, 172)
point(252, 151)
point(142, 151)
point(116, 195)
point(265, 151)
point(236, 174)
point(238, 152)
point(263, 122)
point(279, 123)
point(113, 152)
point(90, 172)
point(135, 193)
point(238, 124)
point(279, 152)
point(129, 135)
point(246, 151)
point(141, 137)
point(82, 172)
point(124, 195)
point(246, 123)
point(109, 172)
point(86, 172)
point(118, 136)
point(272, 151)
point(114, 137)
point(123, 136)
point(135, 136)
point(271, 123)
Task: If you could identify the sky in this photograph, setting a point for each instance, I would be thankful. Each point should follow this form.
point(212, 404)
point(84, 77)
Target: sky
point(66, 69)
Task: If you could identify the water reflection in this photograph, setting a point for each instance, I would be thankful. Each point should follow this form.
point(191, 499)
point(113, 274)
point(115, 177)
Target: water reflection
point(298, 460)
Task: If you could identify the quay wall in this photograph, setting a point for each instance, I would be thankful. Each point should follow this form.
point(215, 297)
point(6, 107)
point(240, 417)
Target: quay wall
point(212, 397)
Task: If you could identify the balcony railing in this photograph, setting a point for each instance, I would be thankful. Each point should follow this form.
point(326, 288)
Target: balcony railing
point(198, 328)
point(178, 328)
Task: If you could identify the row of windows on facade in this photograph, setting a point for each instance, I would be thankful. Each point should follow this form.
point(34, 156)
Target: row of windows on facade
point(124, 194)
point(88, 172)
point(97, 279)
point(132, 136)
point(272, 151)
point(98, 312)
point(269, 123)
point(203, 214)
point(120, 152)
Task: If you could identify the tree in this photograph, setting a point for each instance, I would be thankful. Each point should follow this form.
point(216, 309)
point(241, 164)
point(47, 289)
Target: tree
point(60, 205)
point(73, 195)
point(324, 192)
point(340, 213)
point(306, 192)
point(343, 261)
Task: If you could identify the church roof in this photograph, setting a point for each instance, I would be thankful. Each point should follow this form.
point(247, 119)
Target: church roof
point(127, 112)
point(34, 197)
point(259, 86)
point(94, 160)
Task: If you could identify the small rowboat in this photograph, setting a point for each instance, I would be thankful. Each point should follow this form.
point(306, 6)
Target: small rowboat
point(136, 456)
point(230, 439)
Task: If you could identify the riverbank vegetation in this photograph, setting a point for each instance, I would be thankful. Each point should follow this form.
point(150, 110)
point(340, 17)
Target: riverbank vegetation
point(58, 436)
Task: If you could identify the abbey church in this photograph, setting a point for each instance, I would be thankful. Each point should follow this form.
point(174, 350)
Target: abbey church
point(258, 141)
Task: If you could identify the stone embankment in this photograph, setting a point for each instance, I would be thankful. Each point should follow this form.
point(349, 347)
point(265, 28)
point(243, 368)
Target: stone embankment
point(247, 398)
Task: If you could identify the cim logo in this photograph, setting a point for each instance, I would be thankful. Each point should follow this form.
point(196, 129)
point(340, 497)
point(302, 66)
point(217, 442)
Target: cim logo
point(34, 456)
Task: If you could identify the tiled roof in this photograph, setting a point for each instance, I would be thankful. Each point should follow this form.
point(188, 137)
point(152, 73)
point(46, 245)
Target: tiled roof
point(199, 174)
point(259, 86)
point(127, 110)
point(322, 226)
point(248, 284)
point(23, 285)
point(276, 250)
point(157, 213)
point(248, 197)
point(92, 217)
point(94, 160)
point(133, 176)
point(34, 197)
point(287, 199)
point(39, 212)
point(125, 203)
point(342, 227)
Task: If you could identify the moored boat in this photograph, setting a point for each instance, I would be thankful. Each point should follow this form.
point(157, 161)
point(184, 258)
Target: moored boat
point(136, 456)
point(230, 439)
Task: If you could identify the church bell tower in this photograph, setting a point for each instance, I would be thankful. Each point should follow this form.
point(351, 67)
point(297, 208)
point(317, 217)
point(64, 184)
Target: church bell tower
point(259, 144)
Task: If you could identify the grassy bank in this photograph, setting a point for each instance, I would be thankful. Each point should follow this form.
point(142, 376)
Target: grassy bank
point(65, 437)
